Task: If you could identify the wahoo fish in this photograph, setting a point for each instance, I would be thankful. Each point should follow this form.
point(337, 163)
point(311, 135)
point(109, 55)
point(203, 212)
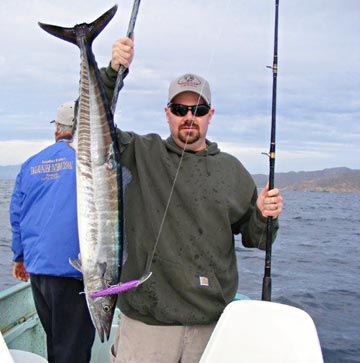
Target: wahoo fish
point(98, 178)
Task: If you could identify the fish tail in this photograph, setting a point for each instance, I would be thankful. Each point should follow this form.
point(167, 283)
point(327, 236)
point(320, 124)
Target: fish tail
point(78, 32)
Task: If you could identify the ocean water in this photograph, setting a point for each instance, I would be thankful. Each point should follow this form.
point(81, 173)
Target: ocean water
point(315, 265)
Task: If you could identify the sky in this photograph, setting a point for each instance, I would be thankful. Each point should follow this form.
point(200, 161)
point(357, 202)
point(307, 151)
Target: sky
point(229, 42)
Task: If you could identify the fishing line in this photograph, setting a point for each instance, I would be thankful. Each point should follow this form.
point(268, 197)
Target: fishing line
point(209, 65)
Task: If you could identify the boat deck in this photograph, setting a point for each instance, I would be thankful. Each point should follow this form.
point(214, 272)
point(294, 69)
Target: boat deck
point(22, 330)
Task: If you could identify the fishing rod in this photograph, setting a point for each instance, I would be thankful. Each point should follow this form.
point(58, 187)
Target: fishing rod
point(122, 69)
point(266, 288)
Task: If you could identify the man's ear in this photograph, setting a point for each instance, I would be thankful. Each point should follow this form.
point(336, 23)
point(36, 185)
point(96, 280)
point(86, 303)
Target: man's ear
point(167, 114)
point(212, 111)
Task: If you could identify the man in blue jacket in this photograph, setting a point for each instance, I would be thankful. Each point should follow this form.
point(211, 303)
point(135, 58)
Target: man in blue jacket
point(43, 217)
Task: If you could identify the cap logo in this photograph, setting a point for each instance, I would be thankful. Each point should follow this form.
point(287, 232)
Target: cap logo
point(189, 80)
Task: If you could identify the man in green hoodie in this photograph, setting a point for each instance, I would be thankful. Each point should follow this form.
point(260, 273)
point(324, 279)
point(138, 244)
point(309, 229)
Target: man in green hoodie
point(183, 205)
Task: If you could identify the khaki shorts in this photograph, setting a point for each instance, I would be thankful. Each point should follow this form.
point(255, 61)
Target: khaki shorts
point(136, 342)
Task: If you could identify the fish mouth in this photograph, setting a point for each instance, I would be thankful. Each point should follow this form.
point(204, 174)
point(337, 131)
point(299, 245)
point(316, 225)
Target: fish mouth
point(102, 313)
point(103, 331)
point(103, 328)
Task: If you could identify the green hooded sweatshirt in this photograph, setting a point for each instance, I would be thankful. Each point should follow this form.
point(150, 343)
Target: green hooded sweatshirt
point(194, 272)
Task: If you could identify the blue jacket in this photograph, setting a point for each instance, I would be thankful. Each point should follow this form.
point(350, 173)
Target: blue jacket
point(43, 212)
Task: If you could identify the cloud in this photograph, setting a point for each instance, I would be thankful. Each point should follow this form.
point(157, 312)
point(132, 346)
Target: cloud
point(229, 42)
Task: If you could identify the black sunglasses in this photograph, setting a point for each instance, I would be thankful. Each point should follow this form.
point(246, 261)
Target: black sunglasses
point(181, 110)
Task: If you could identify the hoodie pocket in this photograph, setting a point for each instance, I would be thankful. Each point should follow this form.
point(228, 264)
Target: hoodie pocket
point(186, 295)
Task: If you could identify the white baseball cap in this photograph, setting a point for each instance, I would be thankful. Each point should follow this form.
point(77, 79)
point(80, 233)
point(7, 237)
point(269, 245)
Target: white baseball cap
point(65, 114)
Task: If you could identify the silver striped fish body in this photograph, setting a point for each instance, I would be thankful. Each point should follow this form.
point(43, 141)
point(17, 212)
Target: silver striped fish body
point(98, 177)
point(97, 191)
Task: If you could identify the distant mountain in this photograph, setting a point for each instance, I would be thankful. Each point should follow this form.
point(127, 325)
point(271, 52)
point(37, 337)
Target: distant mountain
point(342, 180)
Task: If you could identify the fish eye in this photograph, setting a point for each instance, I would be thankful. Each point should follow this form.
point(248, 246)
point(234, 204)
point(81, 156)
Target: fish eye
point(106, 308)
